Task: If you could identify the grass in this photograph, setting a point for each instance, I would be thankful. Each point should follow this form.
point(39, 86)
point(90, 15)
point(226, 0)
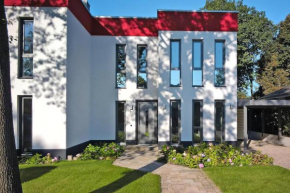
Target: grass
point(250, 179)
point(86, 176)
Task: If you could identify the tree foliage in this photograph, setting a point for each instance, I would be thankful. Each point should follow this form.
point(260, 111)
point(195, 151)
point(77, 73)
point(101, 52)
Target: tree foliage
point(274, 64)
point(254, 36)
point(273, 76)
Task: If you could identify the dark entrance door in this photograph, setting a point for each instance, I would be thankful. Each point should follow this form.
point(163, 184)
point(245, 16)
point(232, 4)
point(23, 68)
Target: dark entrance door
point(147, 122)
point(25, 136)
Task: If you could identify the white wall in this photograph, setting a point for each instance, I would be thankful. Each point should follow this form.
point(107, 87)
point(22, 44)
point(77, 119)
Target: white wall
point(78, 82)
point(209, 93)
point(103, 91)
point(48, 87)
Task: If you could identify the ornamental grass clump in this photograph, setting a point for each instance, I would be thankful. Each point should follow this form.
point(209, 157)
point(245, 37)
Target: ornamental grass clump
point(104, 152)
point(214, 156)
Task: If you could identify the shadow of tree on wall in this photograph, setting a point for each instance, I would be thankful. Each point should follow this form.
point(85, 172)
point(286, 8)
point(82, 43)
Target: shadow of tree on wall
point(49, 58)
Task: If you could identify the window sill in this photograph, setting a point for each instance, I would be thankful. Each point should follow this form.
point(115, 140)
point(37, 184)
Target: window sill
point(25, 78)
point(220, 86)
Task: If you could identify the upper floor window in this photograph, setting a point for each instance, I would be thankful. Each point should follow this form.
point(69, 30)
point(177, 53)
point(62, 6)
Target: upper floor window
point(121, 66)
point(175, 63)
point(26, 49)
point(142, 66)
point(197, 63)
point(219, 63)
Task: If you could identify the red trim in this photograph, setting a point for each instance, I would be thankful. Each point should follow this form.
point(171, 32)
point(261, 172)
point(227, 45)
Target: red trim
point(37, 3)
point(125, 27)
point(167, 20)
point(197, 21)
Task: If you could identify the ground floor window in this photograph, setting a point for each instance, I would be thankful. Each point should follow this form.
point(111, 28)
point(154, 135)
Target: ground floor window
point(175, 120)
point(120, 130)
point(25, 123)
point(219, 121)
point(197, 121)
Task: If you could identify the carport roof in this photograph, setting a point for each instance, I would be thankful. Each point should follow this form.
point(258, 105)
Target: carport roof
point(261, 103)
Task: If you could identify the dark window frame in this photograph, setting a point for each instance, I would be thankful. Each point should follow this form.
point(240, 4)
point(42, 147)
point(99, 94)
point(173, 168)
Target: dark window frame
point(224, 120)
point(116, 66)
point(201, 120)
point(170, 119)
point(20, 110)
point(117, 119)
point(142, 45)
point(21, 55)
point(178, 68)
point(224, 61)
point(202, 61)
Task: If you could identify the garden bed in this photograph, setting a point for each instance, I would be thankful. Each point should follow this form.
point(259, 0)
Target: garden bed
point(212, 156)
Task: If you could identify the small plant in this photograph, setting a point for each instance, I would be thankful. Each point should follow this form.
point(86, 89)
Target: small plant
point(212, 156)
point(38, 159)
point(106, 151)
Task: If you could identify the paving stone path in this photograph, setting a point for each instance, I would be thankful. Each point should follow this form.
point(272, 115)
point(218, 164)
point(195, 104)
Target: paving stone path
point(280, 154)
point(173, 178)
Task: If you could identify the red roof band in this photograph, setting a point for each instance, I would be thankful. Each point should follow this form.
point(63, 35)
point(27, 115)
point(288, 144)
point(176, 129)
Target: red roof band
point(166, 20)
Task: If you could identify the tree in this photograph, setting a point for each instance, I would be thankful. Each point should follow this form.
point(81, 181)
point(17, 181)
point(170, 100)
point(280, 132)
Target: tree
point(273, 76)
point(274, 64)
point(9, 171)
point(254, 36)
point(283, 40)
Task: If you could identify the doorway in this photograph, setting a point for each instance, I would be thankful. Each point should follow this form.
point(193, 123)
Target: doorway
point(147, 119)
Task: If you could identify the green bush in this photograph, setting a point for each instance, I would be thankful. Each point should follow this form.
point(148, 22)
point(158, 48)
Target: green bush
point(38, 159)
point(213, 156)
point(105, 151)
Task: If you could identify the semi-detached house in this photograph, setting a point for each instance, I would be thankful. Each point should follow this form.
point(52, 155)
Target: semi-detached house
point(77, 79)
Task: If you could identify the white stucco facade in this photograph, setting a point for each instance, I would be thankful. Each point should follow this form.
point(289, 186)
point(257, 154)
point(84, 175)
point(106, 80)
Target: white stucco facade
point(74, 84)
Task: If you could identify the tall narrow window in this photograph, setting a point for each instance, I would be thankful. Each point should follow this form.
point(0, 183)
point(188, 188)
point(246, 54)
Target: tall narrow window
point(219, 121)
point(26, 49)
point(219, 63)
point(142, 66)
point(175, 121)
point(197, 121)
point(175, 63)
point(25, 126)
point(197, 63)
point(121, 66)
point(120, 134)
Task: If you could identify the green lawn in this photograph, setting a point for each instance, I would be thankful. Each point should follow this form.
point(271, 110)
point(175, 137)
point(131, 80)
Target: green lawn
point(251, 179)
point(86, 176)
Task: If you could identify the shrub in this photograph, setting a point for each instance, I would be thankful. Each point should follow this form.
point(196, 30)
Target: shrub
point(38, 159)
point(105, 151)
point(213, 156)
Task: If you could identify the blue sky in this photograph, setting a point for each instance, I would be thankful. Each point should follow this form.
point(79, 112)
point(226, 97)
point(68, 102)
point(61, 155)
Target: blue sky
point(275, 10)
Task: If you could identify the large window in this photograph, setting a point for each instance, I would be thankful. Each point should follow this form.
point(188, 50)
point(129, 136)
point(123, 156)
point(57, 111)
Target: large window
point(219, 63)
point(25, 123)
point(175, 121)
point(197, 63)
point(120, 131)
point(175, 63)
point(25, 69)
point(197, 121)
point(219, 121)
point(142, 66)
point(121, 66)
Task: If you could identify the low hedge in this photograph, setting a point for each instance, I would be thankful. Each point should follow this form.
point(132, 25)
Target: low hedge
point(212, 156)
point(105, 151)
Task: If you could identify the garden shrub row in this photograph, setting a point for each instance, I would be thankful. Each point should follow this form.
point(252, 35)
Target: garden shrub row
point(212, 156)
point(103, 151)
point(106, 151)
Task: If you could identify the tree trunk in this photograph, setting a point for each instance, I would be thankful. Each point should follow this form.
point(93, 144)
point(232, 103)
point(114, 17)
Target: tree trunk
point(9, 171)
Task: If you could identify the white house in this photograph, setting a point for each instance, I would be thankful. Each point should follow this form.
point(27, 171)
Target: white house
point(78, 79)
